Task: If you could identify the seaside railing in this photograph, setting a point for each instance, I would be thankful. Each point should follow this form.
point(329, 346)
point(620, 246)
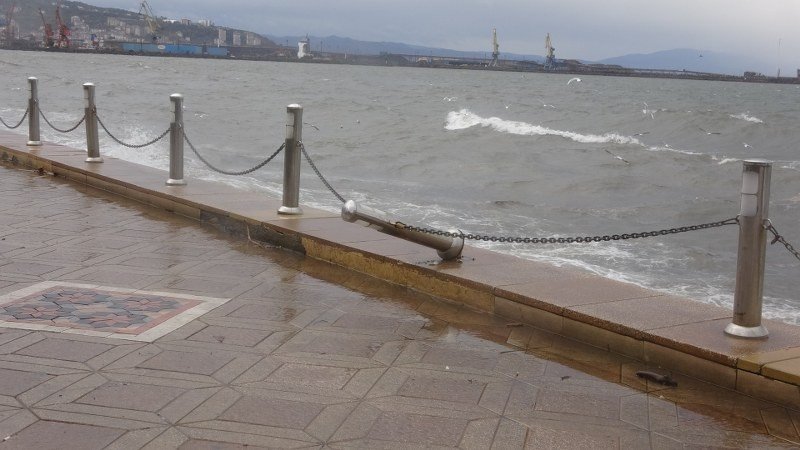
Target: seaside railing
point(753, 218)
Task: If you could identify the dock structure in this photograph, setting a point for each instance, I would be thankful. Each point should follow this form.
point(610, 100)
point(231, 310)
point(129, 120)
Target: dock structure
point(212, 317)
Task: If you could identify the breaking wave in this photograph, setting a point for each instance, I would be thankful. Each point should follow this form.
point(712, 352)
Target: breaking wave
point(746, 118)
point(461, 120)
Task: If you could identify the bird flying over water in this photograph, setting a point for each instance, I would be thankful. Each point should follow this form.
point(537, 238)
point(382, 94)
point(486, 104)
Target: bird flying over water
point(576, 79)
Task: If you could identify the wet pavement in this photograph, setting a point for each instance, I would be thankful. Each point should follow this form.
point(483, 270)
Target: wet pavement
point(102, 345)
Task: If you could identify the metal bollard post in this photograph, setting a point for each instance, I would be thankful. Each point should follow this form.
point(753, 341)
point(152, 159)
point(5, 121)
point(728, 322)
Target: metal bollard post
point(176, 142)
point(748, 296)
point(291, 161)
point(34, 136)
point(92, 136)
point(446, 247)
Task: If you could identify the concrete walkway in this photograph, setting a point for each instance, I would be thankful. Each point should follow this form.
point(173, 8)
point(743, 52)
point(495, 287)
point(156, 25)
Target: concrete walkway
point(123, 326)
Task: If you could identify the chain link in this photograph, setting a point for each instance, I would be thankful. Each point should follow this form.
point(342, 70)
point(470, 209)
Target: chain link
point(319, 174)
point(131, 145)
point(569, 240)
point(778, 238)
point(243, 172)
point(27, 110)
point(68, 130)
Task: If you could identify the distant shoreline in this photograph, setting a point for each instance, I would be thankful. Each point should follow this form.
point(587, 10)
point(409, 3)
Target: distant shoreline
point(397, 60)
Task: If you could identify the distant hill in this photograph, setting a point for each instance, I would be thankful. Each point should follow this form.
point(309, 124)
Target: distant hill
point(693, 60)
point(26, 15)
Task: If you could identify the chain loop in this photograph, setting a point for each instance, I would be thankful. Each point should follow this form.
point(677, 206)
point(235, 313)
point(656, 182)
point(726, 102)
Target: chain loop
point(778, 238)
point(572, 240)
point(225, 172)
point(27, 110)
point(319, 174)
point(68, 130)
point(131, 145)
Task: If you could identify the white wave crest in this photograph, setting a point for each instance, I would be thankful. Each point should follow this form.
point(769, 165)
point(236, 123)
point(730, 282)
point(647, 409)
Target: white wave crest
point(746, 118)
point(461, 120)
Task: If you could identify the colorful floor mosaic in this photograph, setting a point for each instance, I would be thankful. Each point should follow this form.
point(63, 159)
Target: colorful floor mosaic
point(101, 310)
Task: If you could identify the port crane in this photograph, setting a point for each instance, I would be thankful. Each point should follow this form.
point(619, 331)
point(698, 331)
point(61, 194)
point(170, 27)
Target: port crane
point(63, 30)
point(152, 24)
point(9, 18)
point(495, 49)
point(550, 54)
point(49, 42)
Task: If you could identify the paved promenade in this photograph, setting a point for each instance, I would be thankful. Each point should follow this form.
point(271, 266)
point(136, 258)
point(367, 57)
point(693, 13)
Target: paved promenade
point(123, 326)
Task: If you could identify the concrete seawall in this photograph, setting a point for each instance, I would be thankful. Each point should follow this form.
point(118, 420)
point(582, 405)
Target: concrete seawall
point(666, 332)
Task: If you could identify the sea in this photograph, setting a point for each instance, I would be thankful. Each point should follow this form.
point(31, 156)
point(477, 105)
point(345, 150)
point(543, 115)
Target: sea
point(504, 154)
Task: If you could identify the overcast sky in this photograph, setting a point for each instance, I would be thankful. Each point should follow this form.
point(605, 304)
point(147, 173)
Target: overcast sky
point(581, 29)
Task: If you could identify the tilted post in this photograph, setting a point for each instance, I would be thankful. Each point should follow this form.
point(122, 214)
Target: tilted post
point(446, 247)
point(92, 136)
point(748, 296)
point(176, 142)
point(291, 161)
point(34, 136)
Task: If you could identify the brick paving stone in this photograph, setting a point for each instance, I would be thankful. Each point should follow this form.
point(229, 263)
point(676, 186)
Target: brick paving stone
point(44, 435)
point(306, 354)
point(15, 382)
point(273, 412)
point(190, 362)
point(65, 350)
point(141, 397)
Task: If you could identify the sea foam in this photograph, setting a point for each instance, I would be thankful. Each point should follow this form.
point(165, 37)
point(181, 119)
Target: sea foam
point(746, 118)
point(461, 120)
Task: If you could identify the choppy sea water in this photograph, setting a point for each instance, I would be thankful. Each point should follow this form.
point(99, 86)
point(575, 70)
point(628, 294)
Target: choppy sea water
point(505, 154)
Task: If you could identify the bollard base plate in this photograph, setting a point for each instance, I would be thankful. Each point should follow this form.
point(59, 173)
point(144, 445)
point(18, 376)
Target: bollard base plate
point(34, 143)
point(759, 332)
point(455, 249)
point(290, 210)
point(174, 182)
point(98, 159)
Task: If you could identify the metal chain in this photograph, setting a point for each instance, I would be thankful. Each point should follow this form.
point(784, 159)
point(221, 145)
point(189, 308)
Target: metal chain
point(131, 145)
point(243, 172)
point(570, 240)
point(778, 238)
point(313, 166)
point(27, 110)
point(68, 130)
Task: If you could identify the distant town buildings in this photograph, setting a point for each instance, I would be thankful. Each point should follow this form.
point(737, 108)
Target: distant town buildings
point(252, 39)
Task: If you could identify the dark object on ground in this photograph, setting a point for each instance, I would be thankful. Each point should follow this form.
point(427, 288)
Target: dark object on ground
point(666, 380)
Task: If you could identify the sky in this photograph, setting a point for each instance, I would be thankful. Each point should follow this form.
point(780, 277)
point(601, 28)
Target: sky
point(767, 30)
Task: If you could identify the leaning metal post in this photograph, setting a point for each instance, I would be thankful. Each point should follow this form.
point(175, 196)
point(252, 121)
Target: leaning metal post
point(92, 136)
point(446, 247)
point(176, 142)
point(291, 161)
point(34, 136)
point(748, 297)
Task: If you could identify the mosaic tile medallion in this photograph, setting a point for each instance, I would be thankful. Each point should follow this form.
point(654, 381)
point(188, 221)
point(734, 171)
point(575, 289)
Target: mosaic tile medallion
point(101, 310)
